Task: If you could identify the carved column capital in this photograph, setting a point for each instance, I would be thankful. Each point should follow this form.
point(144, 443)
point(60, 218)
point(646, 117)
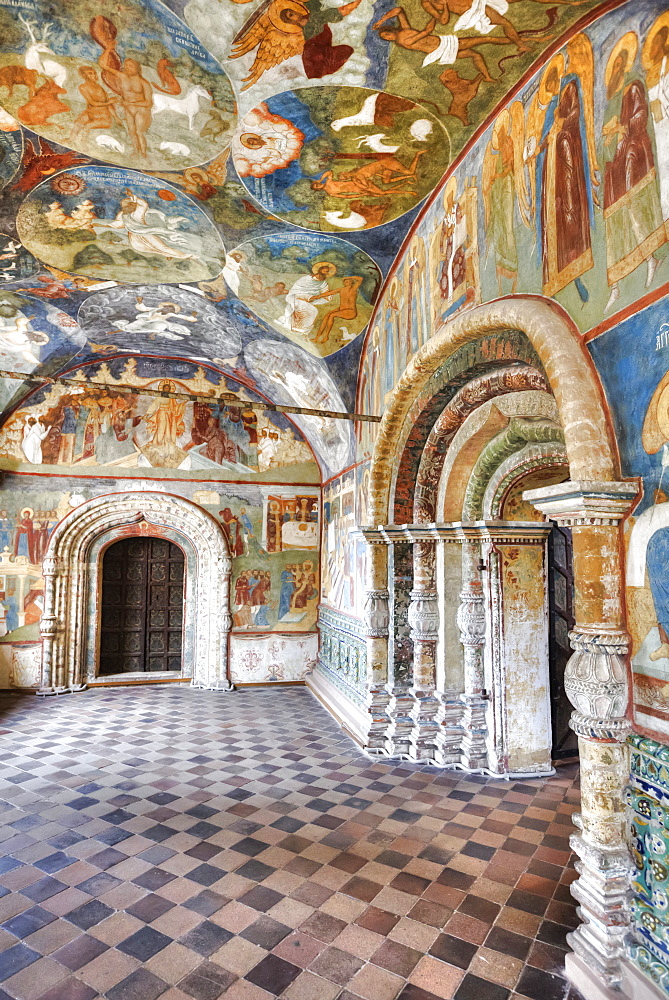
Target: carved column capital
point(585, 503)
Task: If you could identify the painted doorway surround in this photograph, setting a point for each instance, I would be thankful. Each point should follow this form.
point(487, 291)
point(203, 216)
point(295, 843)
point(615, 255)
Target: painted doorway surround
point(72, 577)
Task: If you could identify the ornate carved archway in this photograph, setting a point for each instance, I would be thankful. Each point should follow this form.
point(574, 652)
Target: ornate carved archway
point(69, 623)
point(593, 504)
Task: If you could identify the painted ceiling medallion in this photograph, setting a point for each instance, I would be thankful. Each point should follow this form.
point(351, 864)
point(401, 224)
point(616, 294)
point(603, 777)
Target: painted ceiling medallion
point(339, 158)
point(158, 319)
point(119, 225)
point(316, 290)
point(133, 86)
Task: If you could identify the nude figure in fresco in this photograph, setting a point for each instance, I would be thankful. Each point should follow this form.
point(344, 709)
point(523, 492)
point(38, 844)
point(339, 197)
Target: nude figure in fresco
point(136, 94)
point(353, 183)
point(100, 111)
point(347, 308)
point(441, 49)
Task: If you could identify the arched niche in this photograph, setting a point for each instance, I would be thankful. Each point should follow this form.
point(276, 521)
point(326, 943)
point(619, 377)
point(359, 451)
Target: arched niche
point(72, 566)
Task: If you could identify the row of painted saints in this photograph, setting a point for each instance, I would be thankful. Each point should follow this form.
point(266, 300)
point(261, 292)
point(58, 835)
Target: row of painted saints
point(545, 173)
point(75, 428)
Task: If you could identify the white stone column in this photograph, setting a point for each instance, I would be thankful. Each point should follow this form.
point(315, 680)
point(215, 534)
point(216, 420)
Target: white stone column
point(427, 713)
point(472, 624)
point(377, 618)
point(596, 682)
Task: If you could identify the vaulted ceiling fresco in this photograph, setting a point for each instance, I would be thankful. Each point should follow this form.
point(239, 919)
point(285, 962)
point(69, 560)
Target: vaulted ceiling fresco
point(228, 183)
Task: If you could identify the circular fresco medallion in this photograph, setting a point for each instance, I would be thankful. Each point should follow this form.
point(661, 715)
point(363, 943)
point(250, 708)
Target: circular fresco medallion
point(339, 158)
point(119, 225)
point(132, 85)
point(316, 290)
point(158, 319)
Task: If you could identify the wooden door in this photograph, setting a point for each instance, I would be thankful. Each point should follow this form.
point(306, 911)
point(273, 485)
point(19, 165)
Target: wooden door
point(561, 621)
point(142, 606)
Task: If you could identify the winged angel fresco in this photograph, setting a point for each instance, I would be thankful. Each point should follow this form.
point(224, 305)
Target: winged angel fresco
point(545, 164)
point(282, 30)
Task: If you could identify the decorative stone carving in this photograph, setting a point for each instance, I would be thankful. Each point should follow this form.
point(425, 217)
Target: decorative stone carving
point(471, 621)
point(376, 614)
point(69, 624)
point(423, 615)
point(595, 681)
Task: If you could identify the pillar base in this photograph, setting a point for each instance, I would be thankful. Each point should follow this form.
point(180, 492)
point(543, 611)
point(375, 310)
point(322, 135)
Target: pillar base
point(216, 686)
point(47, 692)
point(634, 985)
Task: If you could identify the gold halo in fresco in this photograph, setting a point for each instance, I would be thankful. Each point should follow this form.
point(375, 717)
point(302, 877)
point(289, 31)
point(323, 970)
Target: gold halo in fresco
point(338, 159)
point(315, 289)
point(132, 85)
point(556, 65)
point(119, 225)
point(626, 46)
point(656, 46)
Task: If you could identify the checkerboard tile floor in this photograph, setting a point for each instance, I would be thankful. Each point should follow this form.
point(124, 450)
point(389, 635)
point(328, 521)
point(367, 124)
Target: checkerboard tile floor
point(167, 842)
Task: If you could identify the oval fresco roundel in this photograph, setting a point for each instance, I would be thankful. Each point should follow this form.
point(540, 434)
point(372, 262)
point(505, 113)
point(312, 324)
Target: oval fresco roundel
point(315, 289)
point(339, 158)
point(119, 225)
point(132, 85)
point(158, 319)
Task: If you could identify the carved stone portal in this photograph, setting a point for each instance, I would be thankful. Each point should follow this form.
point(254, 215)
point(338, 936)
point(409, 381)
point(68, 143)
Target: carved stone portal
point(71, 571)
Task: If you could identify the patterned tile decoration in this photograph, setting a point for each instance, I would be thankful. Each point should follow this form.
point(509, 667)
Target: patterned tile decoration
point(342, 652)
point(180, 844)
point(647, 799)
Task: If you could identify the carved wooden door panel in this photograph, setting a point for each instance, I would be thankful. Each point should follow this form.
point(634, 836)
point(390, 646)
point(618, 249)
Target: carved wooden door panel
point(142, 606)
point(561, 621)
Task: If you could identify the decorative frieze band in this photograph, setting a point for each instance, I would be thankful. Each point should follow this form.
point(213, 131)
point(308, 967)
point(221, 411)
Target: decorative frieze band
point(458, 532)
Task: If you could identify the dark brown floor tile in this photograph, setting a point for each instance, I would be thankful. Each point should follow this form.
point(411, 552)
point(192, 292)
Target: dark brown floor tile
point(397, 958)
point(412, 884)
point(336, 965)
point(362, 888)
point(508, 943)
point(453, 950)
point(379, 921)
point(480, 908)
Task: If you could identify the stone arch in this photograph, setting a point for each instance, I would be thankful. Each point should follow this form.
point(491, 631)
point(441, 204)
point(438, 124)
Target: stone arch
point(71, 569)
point(568, 369)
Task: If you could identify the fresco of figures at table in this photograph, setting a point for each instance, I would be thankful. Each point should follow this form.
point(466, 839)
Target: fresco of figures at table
point(316, 290)
point(338, 158)
point(82, 429)
point(447, 54)
point(119, 225)
point(566, 195)
point(130, 84)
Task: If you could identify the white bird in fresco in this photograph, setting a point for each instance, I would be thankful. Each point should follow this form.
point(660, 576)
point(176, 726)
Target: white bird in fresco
point(376, 143)
point(352, 221)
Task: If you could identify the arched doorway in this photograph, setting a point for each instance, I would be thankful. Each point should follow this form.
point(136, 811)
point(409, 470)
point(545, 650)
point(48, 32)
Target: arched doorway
point(71, 624)
point(592, 502)
point(142, 607)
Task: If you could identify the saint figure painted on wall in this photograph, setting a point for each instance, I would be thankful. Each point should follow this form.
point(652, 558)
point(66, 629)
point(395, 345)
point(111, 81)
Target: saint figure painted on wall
point(632, 212)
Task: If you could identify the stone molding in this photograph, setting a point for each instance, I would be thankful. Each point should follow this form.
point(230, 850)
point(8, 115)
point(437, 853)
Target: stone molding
point(459, 532)
point(586, 503)
point(70, 575)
